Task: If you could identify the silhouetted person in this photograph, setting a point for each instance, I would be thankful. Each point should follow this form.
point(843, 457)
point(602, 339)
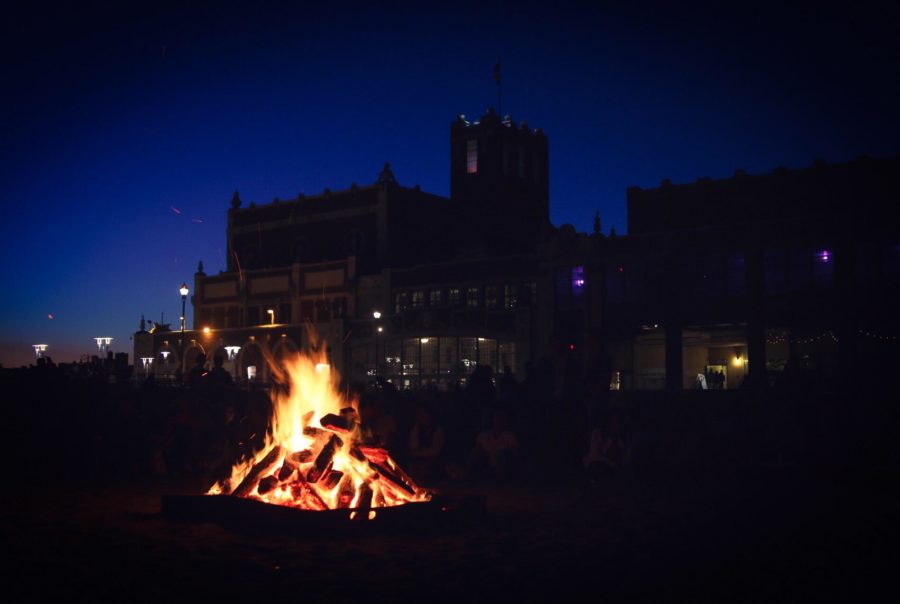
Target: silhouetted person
point(218, 376)
point(496, 450)
point(606, 453)
point(480, 392)
point(198, 372)
point(700, 382)
point(426, 445)
point(379, 426)
point(508, 387)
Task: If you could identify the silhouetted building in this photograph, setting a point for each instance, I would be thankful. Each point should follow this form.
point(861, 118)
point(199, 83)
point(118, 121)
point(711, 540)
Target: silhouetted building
point(457, 282)
point(735, 278)
point(730, 280)
point(499, 174)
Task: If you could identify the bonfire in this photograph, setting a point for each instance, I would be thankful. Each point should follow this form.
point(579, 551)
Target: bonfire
point(315, 456)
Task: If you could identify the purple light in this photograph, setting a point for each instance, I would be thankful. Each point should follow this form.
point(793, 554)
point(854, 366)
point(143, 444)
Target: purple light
point(824, 255)
point(577, 277)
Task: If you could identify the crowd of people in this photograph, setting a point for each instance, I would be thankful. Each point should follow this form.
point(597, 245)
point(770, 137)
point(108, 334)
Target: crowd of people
point(495, 427)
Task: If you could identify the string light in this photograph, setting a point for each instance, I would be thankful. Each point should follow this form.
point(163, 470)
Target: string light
point(782, 338)
point(882, 337)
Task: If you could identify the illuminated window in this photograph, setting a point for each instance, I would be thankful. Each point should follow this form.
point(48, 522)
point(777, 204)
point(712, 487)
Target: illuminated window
point(418, 299)
point(454, 297)
point(471, 156)
point(823, 269)
point(472, 297)
point(434, 297)
point(569, 286)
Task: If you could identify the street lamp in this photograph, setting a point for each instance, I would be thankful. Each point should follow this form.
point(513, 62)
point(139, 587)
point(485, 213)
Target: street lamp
point(103, 343)
point(148, 363)
point(183, 290)
point(271, 316)
point(376, 315)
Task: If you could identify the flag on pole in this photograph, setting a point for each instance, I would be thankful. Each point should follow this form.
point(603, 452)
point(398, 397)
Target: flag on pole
point(497, 72)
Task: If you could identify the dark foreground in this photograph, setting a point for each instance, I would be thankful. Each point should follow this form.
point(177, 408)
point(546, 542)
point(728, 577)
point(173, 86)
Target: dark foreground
point(765, 537)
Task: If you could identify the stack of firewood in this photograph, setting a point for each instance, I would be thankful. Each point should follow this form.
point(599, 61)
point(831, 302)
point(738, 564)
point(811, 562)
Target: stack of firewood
point(308, 479)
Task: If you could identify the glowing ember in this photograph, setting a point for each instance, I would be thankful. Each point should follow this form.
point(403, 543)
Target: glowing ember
point(314, 457)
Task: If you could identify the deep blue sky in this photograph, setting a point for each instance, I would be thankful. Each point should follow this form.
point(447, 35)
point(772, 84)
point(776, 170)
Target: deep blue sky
point(111, 119)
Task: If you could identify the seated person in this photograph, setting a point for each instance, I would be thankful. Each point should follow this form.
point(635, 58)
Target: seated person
point(606, 453)
point(495, 451)
point(426, 445)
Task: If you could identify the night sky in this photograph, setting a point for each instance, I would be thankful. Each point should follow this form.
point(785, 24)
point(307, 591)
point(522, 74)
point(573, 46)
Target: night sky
point(124, 135)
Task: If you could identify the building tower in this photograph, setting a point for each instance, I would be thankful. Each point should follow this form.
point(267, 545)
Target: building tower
point(499, 181)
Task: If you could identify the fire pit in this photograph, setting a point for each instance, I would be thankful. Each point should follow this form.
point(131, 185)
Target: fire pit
point(253, 516)
point(317, 469)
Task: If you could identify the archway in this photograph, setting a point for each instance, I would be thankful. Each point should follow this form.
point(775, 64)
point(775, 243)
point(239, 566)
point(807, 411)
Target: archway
point(252, 363)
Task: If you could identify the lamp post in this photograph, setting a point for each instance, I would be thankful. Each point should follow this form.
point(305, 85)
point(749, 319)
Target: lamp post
point(183, 290)
point(376, 315)
point(103, 344)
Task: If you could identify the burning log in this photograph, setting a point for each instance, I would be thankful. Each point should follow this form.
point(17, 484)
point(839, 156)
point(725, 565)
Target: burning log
point(332, 480)
point(365, 497)
point(323, 461)
point(267, 484)
point(304, 456)
point(288, 468)
point(396, 469)
point(350, 414)
point(345, 496)
point(357, 453)
point(366, 478)
point(338, 423)
point(307, 495)
point(374, 454)
point(263, 467)
point(392, 479)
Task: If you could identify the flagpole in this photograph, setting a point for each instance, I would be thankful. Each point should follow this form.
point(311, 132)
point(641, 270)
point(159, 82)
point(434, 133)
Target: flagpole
point(499, 90)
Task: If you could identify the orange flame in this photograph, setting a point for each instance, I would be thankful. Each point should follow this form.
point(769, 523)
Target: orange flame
point(314, 457)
